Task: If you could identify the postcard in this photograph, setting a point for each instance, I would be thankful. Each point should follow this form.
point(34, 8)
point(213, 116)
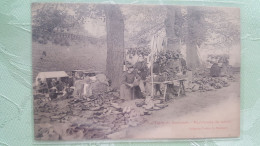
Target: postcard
point(135, 72)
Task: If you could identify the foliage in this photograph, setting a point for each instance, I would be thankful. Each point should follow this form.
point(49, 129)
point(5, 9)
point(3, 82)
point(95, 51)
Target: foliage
point(89, 11)
point(164, 56)
point(144, 51)
point(57, 23)
point(198, 25)
point(221, 58)
point(48, 22)
point(142, 23)
point(214, 27)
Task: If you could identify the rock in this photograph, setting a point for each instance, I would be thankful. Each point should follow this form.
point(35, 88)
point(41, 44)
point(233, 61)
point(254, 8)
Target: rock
point(147, 113)
point(51, 135)
point(195, 88)
point(45, 136)
point(148, 107)
point(109, 112)
point(79, 134)
point(95, 108)
point(226, 84)
point(218, 86)
point(115, 94)
point(140, 103)
point(98, 113)
point(116, 112)
point(127, 109)
point(133, 123)
point(126, 115)
point(117, 135)
point(115, 105)
point(74, 125)
point(56, 117)
point(161, 105)
point(156, 108)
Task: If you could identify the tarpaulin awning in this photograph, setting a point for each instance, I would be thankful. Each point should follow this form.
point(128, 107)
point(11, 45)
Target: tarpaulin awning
point(53, 74)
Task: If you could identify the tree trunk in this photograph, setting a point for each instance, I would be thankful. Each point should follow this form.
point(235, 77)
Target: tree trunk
point(192, 57)
point(173, 41)
point(115, 44)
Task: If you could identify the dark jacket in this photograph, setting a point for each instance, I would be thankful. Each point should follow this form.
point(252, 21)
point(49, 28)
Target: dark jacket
point(215, 70)
point(142, 69)
point(128, 78)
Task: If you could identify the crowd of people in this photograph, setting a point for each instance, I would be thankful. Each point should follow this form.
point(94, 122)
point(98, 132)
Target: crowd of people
point(136, 81)
point(138, 76)
point(77, 84)
point(55, 88)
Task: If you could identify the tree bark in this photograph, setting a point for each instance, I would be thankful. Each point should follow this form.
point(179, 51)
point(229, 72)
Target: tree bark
point(115, 44)
point(173, 41)
point(192, 57)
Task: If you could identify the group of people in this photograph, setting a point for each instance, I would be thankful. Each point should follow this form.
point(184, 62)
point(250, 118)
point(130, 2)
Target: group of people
point(77, 84)
point(55, 88)
point(138, 74)
point(135, 76)
point(135, 81)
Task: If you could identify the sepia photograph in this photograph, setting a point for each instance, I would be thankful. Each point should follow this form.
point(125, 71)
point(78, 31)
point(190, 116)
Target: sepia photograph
point(135, 72)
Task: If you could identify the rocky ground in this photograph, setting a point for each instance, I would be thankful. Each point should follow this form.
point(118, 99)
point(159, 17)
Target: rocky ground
point(105, 116)
point(89, 118)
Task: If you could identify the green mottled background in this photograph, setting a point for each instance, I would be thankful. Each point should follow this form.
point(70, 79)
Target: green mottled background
point(16, 118)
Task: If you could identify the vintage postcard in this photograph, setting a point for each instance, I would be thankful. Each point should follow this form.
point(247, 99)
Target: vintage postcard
point(135, 72)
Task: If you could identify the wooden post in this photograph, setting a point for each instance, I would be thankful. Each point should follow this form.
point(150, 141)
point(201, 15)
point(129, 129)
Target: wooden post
point(152, 59)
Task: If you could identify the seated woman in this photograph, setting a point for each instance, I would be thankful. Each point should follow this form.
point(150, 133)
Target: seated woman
point(129, 80)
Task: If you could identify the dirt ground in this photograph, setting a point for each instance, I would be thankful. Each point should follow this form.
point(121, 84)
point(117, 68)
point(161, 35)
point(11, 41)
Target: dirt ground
point(196, 115)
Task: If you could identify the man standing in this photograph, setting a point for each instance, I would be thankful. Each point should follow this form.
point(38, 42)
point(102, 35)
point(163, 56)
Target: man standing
point(129, 80)
point(171, 68)
point(141, 67)
point(183, 64)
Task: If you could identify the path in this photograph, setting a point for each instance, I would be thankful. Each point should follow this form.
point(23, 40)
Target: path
point(199, 114)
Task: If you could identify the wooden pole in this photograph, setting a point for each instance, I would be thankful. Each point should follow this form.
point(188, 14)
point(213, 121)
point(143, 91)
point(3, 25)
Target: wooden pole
point(152, 59)
point(152, 76)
